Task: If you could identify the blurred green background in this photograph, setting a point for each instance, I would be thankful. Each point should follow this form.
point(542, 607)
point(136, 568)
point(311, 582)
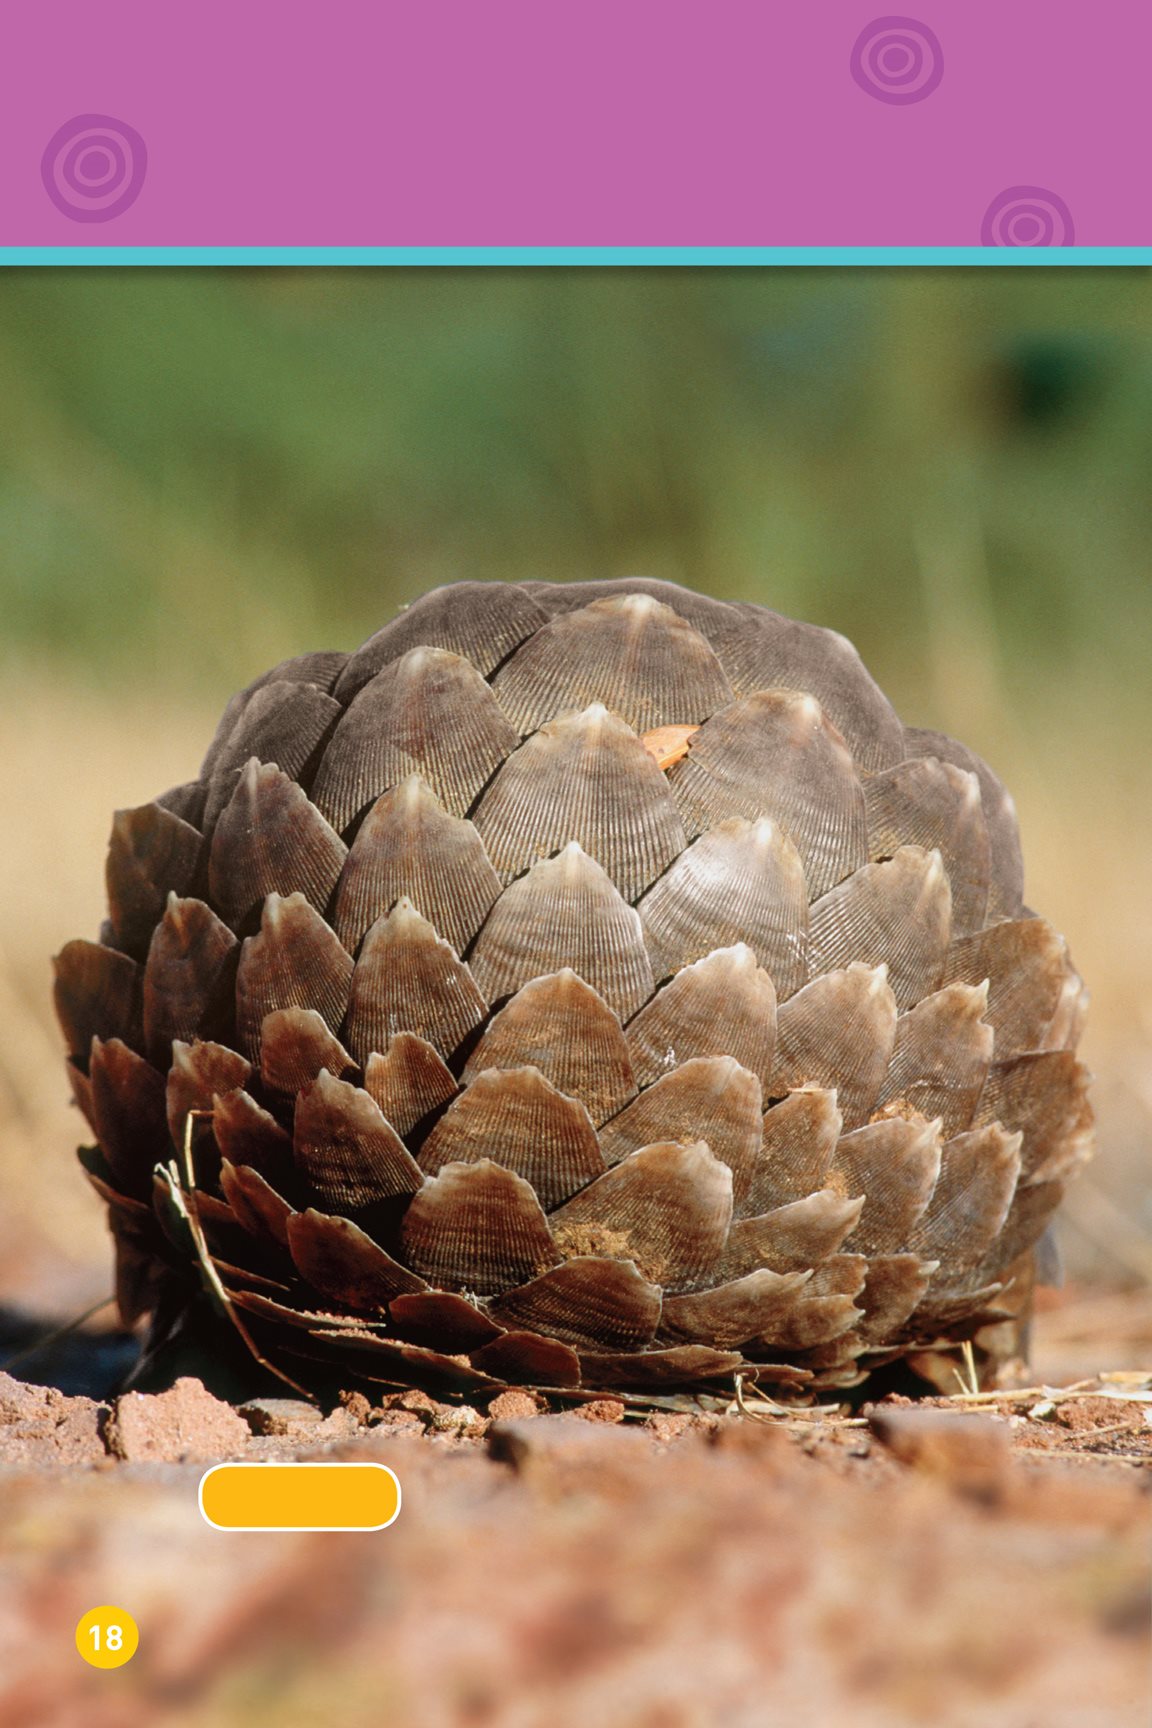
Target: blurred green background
point(203, 471)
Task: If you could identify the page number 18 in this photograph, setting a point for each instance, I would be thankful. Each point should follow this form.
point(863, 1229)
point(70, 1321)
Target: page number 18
point(107, 1637)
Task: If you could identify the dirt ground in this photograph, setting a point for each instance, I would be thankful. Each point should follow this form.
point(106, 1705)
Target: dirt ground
point(958, 1561)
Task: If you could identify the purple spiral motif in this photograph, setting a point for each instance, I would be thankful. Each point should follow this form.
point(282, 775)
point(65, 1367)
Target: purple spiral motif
point(1027, 216)
point(897, 60)
point(93, 167)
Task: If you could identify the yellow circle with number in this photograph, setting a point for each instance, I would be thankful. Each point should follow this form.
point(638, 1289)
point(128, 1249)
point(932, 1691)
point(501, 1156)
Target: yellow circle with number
point(107, 1637)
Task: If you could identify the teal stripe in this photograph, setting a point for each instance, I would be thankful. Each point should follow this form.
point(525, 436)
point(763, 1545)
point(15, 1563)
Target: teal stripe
point(576, 255)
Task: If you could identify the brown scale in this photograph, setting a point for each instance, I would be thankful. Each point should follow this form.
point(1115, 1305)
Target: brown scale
point(429, 713)
point(1026, 965)
point(518, 1119)
point(791, 1238)
point(564, 913)
point(587, 777)
point(723, 1005)
point(700, 610)
point(941, 1056)
point(560, 1025)
point(408, 979)
point(897, 913)
point(657, 1370)
point(259, 1207)
point(296, 1046)
point(775, 754)
point(319, 669)
point(760, 649)
point(408, 846)
point(294, 961)
point(667, 1207)
point(477, 1227)
point(409, 1082)
point(1045, 1096)
point(798, 1136)
point(935, 805)
point(838, 1032)
point(740, 881)
point(248, 1135)
point(893, 1164)
point(710, 1098)
point(526, 1358)
point(199, 1071)
point(440, 1320)
point(152, 852)
point(350, 1155)
point(344, 1264)
point(628, 651)
point(482, 621)
point(189, 977)
point(970, 1202)
point(128, 1109)
point(97, 993)
point(1006, 863)
point(270, 839)
point(586, 1301)
point(283, 722)
point(734, 1313)
point(894, 1286)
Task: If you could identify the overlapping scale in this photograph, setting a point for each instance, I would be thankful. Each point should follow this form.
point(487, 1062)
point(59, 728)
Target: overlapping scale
point(98, 992)
point(409, 1081)
point(740, 881)
point(477, 1227)
point(189, 977)
point(584, 776)
point(565, 912)
point(892, 1164)
point(628, 651)
point(409, 847)
point(722, 1005)
point(271, 839)
point(350, 1155)
point(937, 806)
point(250, 1136)
point(667, 1207)
point(294, 961)
point(790, 1238)
point(515, 1117)
point(969, 1204)
point(481, 621)
point(259, 1208)
point(296, 1044)
point(1045, 1095)
point(1005, 860)
point(152, 852)
point(563, 1027)
point(897, 913)
point(198, 1073)
point(895, 1285)
point(941, 1056)
point(760, 649)
point(588, 1300)
point(775, 754)
point(428, 713)
point(129, 1114)
point(711, 1097)
point(839, 1032)
point(734, 1313)
point(798, 1137)
point(320, 670)
point(344, 1264)
point(1026, 967)
point(284, 722)
point(705, 614)
point(408, 979)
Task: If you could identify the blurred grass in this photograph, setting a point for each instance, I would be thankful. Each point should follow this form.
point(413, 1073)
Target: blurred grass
point(201, 472)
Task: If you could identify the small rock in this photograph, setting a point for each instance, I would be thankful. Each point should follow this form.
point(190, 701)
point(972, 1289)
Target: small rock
point(358, 1406)
point(395, 1421)
point(971, 1453)
point(668, 1424)
point(514, 1406)
point(40, 1426)
point(186, 1424)
point(601, 1410)
point(290, 1416)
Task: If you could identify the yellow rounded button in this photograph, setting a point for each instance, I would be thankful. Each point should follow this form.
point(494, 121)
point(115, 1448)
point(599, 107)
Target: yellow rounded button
point(107, 1637)
point(299, 1496)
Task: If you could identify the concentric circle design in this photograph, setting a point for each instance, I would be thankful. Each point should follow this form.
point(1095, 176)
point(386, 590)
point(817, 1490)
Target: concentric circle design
point(897, 60)
point(1027, 216)
point(93, 168)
